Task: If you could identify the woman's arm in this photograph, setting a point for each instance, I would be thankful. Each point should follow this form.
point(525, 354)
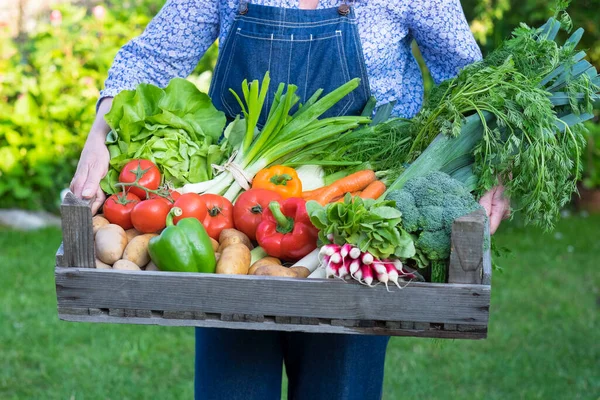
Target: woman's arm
point(171, 46)
point(443, 36)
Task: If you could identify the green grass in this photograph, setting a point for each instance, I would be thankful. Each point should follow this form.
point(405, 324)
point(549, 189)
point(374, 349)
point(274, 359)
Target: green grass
point(543, 341)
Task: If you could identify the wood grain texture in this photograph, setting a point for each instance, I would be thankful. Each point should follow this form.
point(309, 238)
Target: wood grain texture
point(268, 325)
point(284, 298)
point(468, 255)
point(78, 235)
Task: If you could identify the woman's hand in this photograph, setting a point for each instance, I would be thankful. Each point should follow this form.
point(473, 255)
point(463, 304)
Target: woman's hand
point(497, 207)
point(93, 163)
point(92, 167)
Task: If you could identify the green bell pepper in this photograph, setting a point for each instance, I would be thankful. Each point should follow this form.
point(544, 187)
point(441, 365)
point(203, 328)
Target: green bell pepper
point(185, 247)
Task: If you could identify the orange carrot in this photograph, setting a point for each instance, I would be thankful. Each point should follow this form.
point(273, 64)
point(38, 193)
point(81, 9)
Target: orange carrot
point(373, 191)
point(351, 183)
point(310, 193)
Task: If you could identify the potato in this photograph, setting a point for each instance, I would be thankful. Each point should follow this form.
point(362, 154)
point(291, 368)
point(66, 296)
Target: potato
point(275, 270)
point(214, 243)
point(263, 261)
point(235, 259)
point(301, 272)
point(110, 243)
point(137, 249)
point(98, 222)
point(131, 233)
point(126, 265)
point(231, 236)
point(217, 257)
point(101, 265)
point(151, 267)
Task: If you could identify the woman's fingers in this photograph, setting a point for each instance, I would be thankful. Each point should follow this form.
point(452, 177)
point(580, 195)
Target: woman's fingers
point(497, 207)
point(92, 183)
point(98, 200)
point(79, 179)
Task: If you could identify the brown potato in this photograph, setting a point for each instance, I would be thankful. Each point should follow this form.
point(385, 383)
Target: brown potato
point(217, 257)
point(275, 270)
point(214, 243)
point(98, 222)
point(131, 233)
point(301, 272)
point(137, 249)
point(151, 267)
point(235, 259)
point(126, 265)
point(263, 261)
point(110, 243)
point(101, 265)
point(232, 236)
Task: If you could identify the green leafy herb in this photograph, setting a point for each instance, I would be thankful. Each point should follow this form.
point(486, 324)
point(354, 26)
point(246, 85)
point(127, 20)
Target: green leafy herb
point(370, 225)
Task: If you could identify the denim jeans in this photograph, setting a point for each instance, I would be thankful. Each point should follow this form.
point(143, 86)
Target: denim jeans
point(247, 365)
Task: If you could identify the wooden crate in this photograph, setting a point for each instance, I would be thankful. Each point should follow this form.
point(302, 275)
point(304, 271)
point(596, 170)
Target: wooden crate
point(459, 309)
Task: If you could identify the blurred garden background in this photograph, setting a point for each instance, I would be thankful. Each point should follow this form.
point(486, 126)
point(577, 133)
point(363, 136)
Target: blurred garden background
point(54, 57)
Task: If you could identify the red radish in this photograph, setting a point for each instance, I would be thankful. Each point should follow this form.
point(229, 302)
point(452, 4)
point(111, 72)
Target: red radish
point(344, 269)
point(379, 267)
point(330, 237)
point(354, 253)
point(367, 274)
point(367, 258)
point(383, 278)
point(358, 274)
point(402, 273)
point(354, 268)
point(345, 250)
point(329, 249)
point(332, 269)
point(392, 273)
point(336, 258)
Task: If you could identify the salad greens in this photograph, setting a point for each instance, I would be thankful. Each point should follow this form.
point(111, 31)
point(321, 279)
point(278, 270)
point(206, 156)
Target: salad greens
point(177, 128)
point(372, 226)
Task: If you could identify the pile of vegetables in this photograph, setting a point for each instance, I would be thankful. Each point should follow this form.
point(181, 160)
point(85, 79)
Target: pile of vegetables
point(362, 199)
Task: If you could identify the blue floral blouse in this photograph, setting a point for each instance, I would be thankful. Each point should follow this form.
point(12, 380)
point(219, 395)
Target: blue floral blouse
point(175, 40)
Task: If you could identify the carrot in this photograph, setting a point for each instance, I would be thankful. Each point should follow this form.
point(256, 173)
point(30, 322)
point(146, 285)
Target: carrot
point(309, 193)
point(373, 191)
point(341, 198)
point(351, 183)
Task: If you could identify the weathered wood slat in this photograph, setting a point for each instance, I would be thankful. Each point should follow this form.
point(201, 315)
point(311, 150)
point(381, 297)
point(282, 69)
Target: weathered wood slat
point(469, 233)
point(78, 235)
point(481, 333)
point(280, 297)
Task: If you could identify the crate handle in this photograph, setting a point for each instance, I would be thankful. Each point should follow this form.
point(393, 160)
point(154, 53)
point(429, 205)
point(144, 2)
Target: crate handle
point(78, 234)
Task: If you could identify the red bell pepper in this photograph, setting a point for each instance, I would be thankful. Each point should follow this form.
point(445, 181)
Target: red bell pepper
point(285, 231)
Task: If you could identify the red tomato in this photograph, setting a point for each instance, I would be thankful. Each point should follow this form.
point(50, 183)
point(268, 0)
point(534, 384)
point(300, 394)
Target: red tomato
point(173, 196)
point(150, 216)
point(248, 208)
point(192, 205)
point(219, 214)
point(146, 173)
point(117, 209)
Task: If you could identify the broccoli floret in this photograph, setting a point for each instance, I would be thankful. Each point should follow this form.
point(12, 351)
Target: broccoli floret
point(429, 205)
point(405, 203)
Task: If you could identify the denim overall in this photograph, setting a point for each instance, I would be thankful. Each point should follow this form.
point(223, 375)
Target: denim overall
point(312, 49)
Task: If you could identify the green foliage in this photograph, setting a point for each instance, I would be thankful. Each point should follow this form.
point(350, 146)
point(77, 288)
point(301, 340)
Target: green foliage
point(49, 84)
point(372, 226)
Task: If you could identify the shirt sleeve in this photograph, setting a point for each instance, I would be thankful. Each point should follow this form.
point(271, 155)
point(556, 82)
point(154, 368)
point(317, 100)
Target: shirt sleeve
point(443, 36)
point(170, 46)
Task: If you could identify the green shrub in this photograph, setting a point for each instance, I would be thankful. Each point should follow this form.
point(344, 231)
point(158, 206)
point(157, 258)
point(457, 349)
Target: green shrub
point(49, 84)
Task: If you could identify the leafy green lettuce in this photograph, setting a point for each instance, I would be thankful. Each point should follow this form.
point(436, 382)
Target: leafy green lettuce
point(373, 226)
point(177, 128)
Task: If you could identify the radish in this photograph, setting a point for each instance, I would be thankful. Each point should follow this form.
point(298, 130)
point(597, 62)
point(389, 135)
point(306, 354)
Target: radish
point(354, 253)
point(367, 274)
point(354, 267)
point(379, 267)
point(358, 274)
point(344, 269)
point(336, 258)
point(383, 278)
point(367, 258)
point(332, 269)
point(392, 273)
point(329, 250)
point(345, 250)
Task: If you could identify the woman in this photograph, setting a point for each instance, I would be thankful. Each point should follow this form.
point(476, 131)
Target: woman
point(313, 44)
